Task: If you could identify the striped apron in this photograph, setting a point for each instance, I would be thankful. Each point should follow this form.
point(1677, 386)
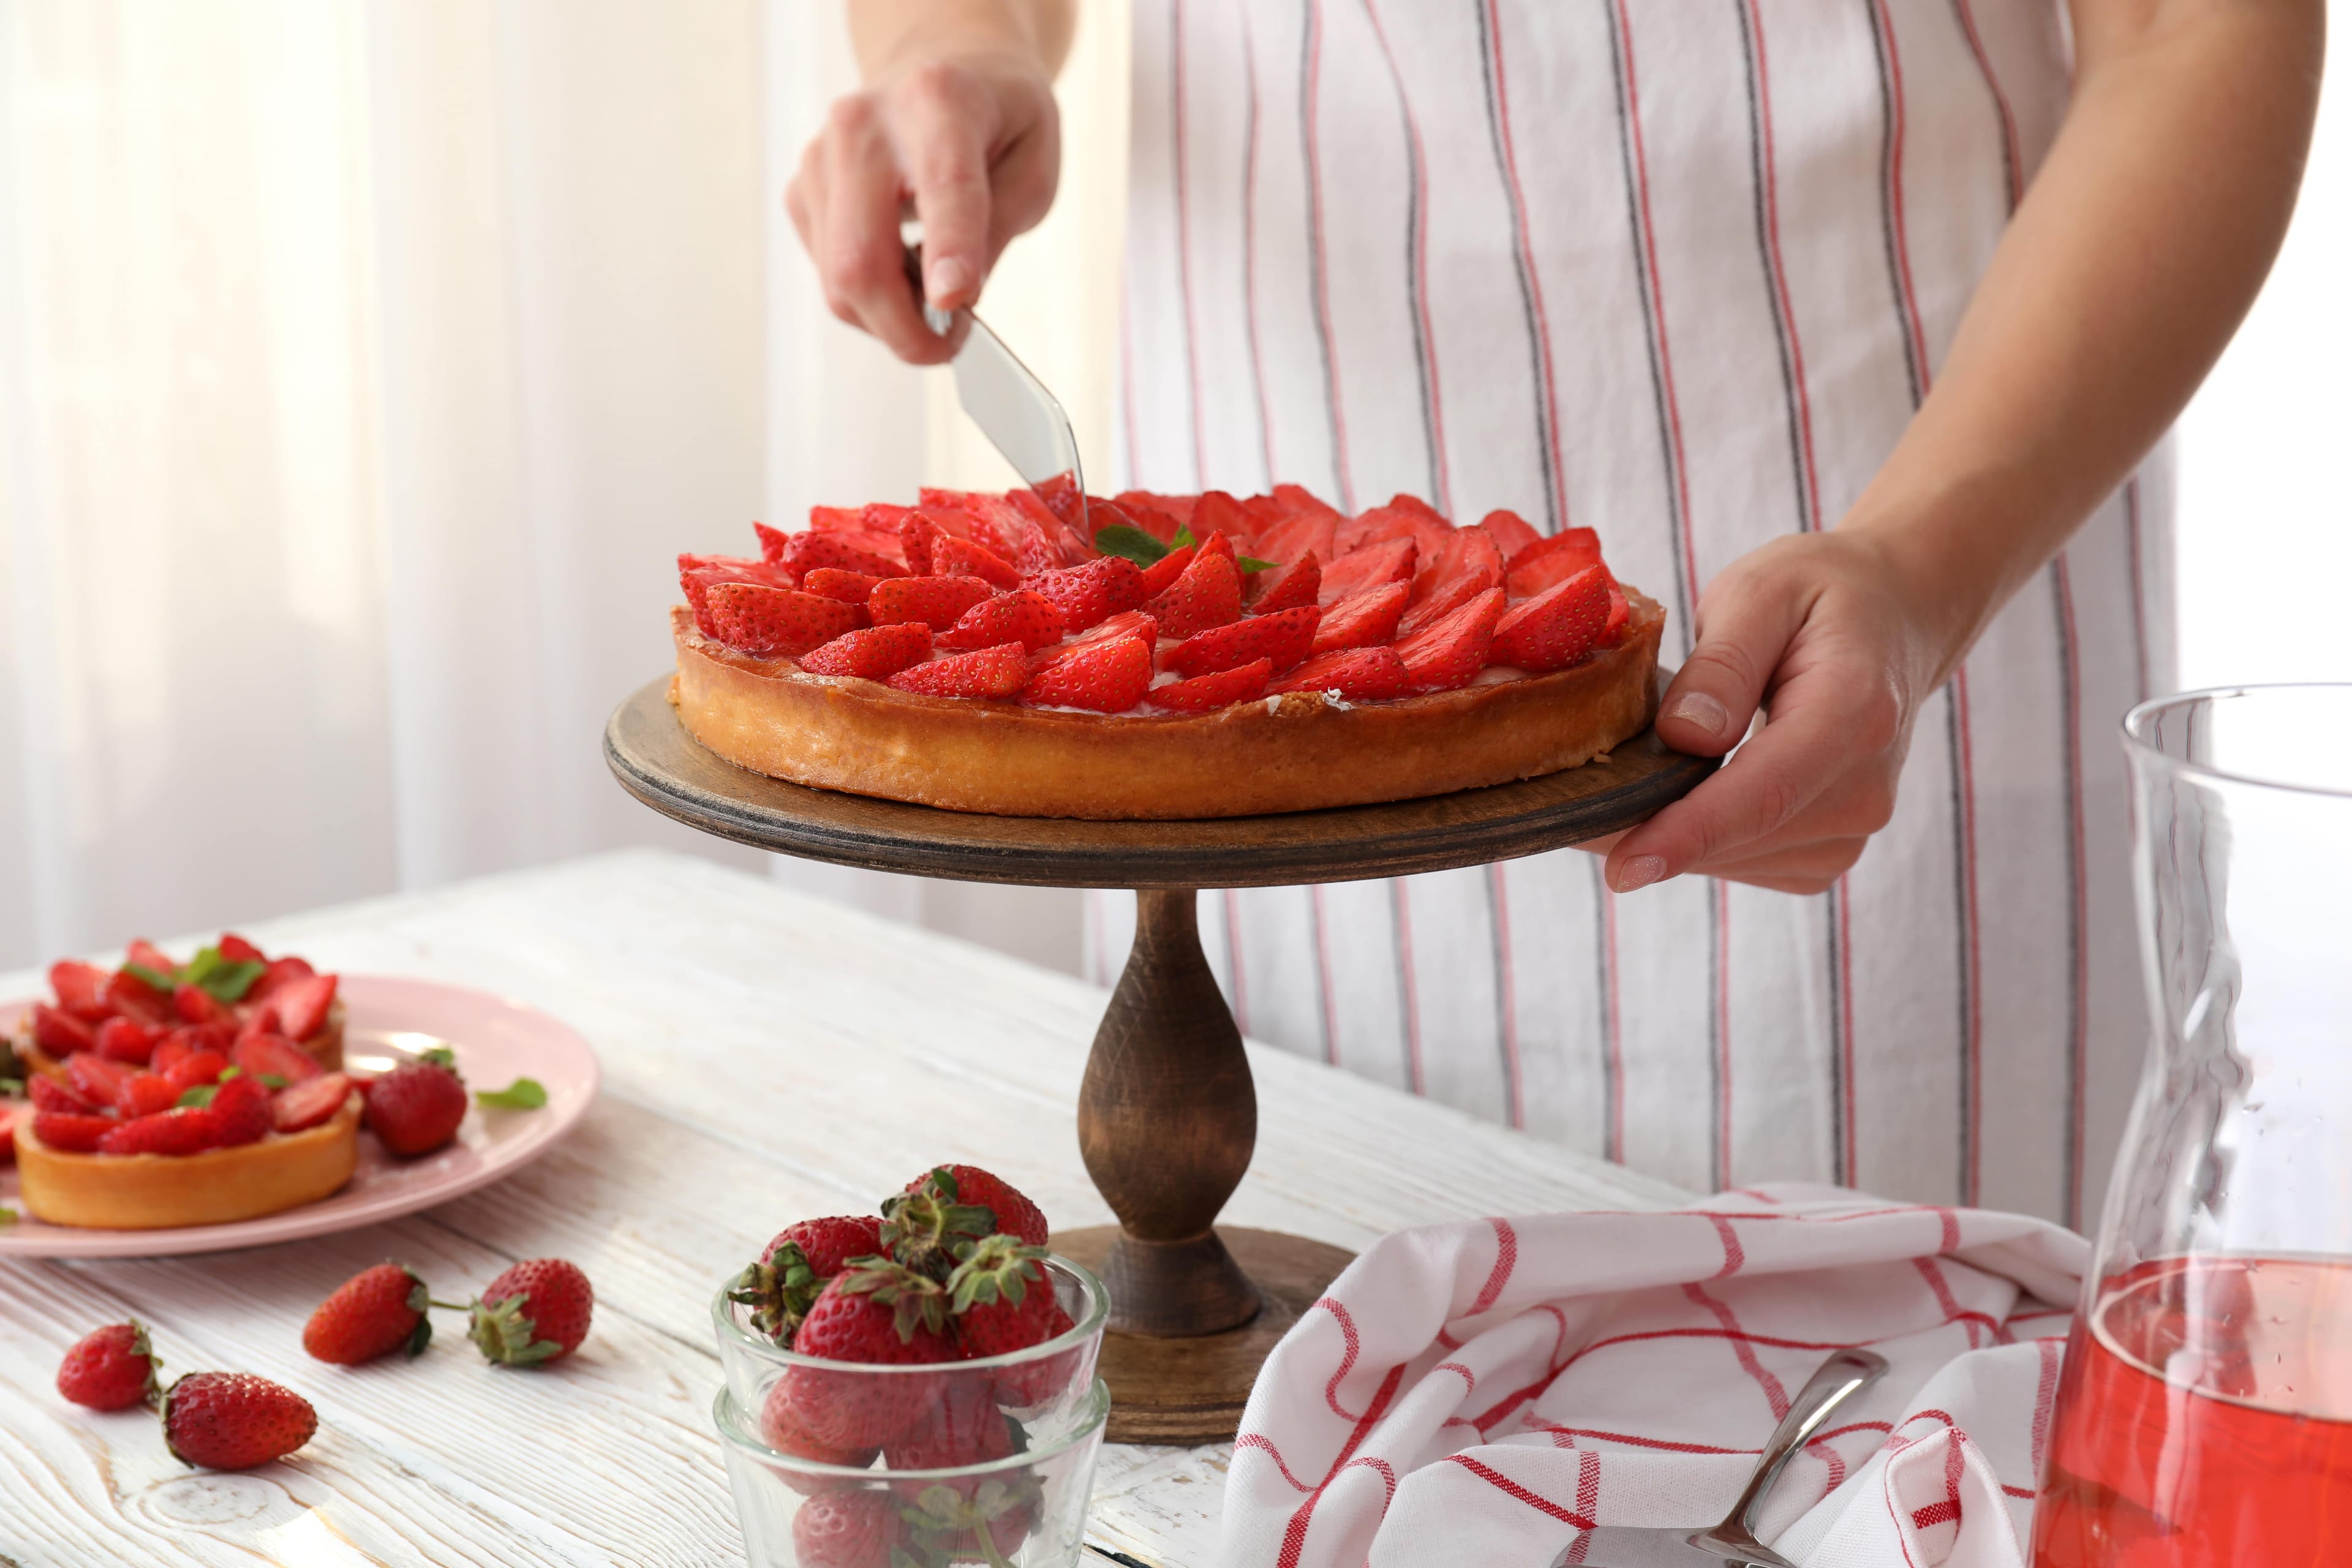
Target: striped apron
point(1680, 271)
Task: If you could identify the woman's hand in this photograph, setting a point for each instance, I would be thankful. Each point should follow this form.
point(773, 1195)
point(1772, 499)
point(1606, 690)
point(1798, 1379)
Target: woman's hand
point(1822, 634)
point(957, 126)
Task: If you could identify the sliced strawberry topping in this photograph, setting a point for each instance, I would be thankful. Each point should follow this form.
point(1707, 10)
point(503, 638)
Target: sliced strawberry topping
point(1060, 493)
point(94, 1078)
point(1361, 622)
point(1452, 650)
point(937, 602)
point(952, 557)
point(1296, 536)
point(236, 950)
point(807, 550)
point(302, 1006)
point(771, 623)
point(196, 1068)
point(128, 1040)
point(1390, 560)
point(1108, 677)
point(134, 998)
point(1023, 616)
point(832, 582)
point(80, 989)
point(1355, 673)
point(1094, 592)
point(1136, 624)
point(275, 1056)
point(1205, 693)
point(189, 1130)
point(1620, 616)
point(1287, 587)
point(194, 1004)
point(308, 1104)
point(8, 1115)
point(1283, 638)
point(1509, 531)
point(993, 673)
point(917, 535)
point(1162, 573)
point(1156, 515)
point(1207, 594)
point(241, 1105)
point(771, 540)
point(1217, 512)
point(144, 1094)
point(1449, 596)
point(697, 574)
point(1558, 627)
point(60, 1034)
point(876, 653)
point(281, 973)
point(1300, 502)
point(148, 955)
point(1549, 561)
point(49, 1094)
point(70, 1133)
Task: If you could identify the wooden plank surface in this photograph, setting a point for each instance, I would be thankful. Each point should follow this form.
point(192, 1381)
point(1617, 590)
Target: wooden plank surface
point(766, 1056)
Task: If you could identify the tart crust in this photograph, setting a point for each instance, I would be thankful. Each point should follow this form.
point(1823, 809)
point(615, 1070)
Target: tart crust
point(153, 1192)
point(1298, 751)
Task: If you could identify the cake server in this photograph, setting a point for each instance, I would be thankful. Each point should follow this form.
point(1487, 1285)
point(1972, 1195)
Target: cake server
point(1013, 410)
point(1733, 1544)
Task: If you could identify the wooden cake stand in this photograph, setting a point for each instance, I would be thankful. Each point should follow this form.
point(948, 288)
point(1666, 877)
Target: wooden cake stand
point(1167, 1115)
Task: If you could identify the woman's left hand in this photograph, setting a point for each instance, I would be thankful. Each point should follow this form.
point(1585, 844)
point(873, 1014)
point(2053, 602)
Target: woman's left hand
point(1824, 636)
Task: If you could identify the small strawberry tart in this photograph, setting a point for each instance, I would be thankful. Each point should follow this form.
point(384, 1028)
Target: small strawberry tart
point(1197, 656)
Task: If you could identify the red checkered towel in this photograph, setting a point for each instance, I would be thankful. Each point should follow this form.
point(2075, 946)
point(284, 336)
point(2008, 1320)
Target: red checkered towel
point(1484, 1392)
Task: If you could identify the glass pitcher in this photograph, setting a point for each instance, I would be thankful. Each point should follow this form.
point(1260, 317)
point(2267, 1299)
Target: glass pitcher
point(2205, 1416)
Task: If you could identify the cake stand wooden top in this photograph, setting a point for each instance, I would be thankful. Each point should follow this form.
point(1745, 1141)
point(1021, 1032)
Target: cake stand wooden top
point(656, 760)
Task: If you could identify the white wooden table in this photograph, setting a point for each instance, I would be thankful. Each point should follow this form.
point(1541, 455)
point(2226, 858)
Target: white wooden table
point(766, 1056)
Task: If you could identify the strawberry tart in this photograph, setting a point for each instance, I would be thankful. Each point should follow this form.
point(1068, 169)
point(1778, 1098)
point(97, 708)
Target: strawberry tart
point(1173, 656)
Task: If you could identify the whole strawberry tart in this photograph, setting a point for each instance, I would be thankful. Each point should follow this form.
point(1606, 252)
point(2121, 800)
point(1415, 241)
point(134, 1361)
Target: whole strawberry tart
point(1160, 657)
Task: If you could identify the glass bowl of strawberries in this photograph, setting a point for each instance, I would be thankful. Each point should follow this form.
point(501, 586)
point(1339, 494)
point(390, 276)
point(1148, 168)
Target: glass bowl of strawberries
point(913, 1388)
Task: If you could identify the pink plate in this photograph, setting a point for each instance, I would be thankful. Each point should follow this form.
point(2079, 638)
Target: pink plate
point(386, 1019)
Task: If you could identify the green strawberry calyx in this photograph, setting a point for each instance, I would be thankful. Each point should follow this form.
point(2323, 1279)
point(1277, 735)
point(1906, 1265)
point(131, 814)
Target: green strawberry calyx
point(506, 1336)
point(926, 1229)
point(779, 1289)
point(999, 1267)
point(916, 1299)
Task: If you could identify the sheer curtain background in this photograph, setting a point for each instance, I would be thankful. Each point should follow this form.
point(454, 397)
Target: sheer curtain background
point(362, 365)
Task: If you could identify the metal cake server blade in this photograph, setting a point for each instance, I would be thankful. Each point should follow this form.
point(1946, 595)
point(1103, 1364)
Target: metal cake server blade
point(1733, 1544)
point(1013, 408)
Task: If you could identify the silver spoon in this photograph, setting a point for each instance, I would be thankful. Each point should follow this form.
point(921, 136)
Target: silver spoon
point(1733, 1544)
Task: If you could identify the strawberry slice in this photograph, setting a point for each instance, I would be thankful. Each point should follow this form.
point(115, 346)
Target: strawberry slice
point(1299, 502)
point(281, 973)
point(49, 1094)
point(1360, 622)
point(806, 552)
point(236, 950)
point(1296, 536)
point(1216, 512)
point(1208, 593)
point(952, 557)
point(1162, 573)
point(189, 1130)
point(1060, 493)
point(1551, 561)
point(832, 582)
point(1354, 674)
point(1287, 587)
point(94, 1078)
point(1449, 596)
point(310, 1104)
point(1283, 638)
point(1403, 517)
point(1452, 650)
point(1221, 543)
point(1558, 627)
point(302, 1006)
point(1157, 515)
point(1620, 616)
point(8, 1115)
point(1023, 616)
point(917, 536)
point(134, 998)
point(1136, 624)
point(1108, 677)
point(773, 622)
point(276, 1055)
point(128, 1040)
point(60, 1034)
point(1206, 693)
point(697, 574)
point(69, 1133)
point(1390, 560)
point(194, 1004)
point(993, 673)
point(196, 1068)
point(80, 989)
point(1094, 592)
point(144, 1094)
point(1509, 530)
point(938, 603)
point(876, 653)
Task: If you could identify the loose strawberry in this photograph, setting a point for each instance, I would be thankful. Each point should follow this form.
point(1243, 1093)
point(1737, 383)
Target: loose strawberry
point(1389, 561)
point(310, 1104)
point(849, 1529)
point(1206, 693)
point(829, 1245)
point(1287, 587)
point(1208, 594)
point(144, 1094)
point(234, 1420)
point(195, 1069)
point(60, 1034)
point(849, 588)
point(1284, 637)
point(937, 602)
point(806, 551)
point(69, 1133)
point(1509, 531)
point(241, 1108)
point(873, 653)
point(794, 1267)
point(194, 1004)
point(1551, 561)
point(926, 1229)
point(80, 989)
point(536, 1311)
point(113, 1368)
point(1558, 627)
point(1452, 652)
point(96, 1079)
point(190, 1130)
point(961, 1427)
point(1354, 675)
point(1094, 592)
point(1161, 575)
point(954, 557)
point(992, 673)
point(1108, 677)
point(969, 1184)
point(879, 1314)
point(1365, 621)
point(1023, 616)
point(49, 1095)
point(374, 1312)
point(776, 622)
point(417, 1106)
point(128, 1040)
point(999, 1297)
point(780, 1422)
point(275, 1056)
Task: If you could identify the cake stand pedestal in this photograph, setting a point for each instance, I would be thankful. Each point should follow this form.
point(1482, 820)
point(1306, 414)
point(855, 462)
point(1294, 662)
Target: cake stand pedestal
point(1167, 1115)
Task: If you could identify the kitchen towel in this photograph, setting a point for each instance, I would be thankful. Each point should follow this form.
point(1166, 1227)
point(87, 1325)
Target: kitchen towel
point(1484, 1391)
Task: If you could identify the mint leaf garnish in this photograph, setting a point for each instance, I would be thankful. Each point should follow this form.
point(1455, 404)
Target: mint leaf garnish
point(200, 1096)
point(11, 1086)
point(8, 1216)
point(153, 978)
point(523, 1094)
point(269, 1080)
point(1183, 537)
point(1122, 539)
point(225, 981)
point(1252, 563)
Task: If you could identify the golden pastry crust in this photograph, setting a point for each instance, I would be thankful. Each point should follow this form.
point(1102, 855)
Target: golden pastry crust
point(156, 1192)
point(1294, 752)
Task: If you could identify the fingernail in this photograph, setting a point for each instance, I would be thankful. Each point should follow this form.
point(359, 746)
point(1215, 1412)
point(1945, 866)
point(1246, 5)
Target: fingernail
point(947, 277)
point(1696, 708)
point(1640, 872)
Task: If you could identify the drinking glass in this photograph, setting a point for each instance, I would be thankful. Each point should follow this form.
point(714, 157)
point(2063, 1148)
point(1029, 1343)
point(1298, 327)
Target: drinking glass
point(2205, 1416)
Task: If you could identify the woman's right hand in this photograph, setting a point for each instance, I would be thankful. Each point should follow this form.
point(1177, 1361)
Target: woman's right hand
point(955, 125)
